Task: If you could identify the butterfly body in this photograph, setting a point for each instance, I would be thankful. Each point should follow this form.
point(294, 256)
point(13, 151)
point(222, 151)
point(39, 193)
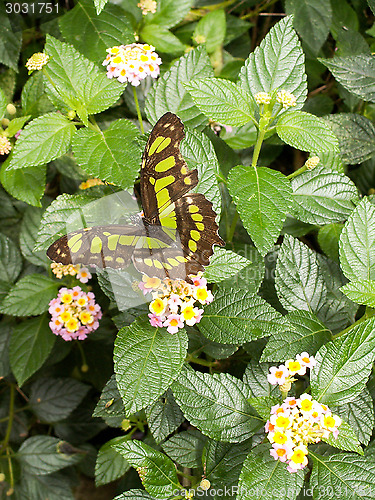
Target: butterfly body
point(175, 235)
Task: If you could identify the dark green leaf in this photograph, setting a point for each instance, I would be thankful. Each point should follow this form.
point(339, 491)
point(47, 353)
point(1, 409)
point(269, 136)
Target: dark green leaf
point(224, 264)
point(26, 184)
point(164, 417)
point(346, 440)
point(169, 13)
point(186, 448)
point(10, 260)
point(110, 464)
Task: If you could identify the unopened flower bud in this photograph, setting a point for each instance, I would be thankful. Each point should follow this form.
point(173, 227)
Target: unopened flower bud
point(11, 109)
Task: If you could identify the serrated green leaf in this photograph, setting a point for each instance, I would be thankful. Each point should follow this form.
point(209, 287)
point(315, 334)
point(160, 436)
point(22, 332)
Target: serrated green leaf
point(160, 476)
point(224, 264)
point(169, 94)
point(164, 417)
point(222, 100)
point(298, 280)
point(10, 260)
point(359, 414)
point(356, 73)
point(30, 296)
point(346, 474)
point(30, 345)
point(263, 198)
point(91, 31)
point(53, 399)
point(346, 440)
point(110, 464)
point(186, 448)
point(81, 85)
point(216, 405)
point(110, 406)
point(169, 13)
point(306, 334)
point(34, 99)
point(28, 234)
point(163, 39)
point(322, 197)
point(312, 20)
point(355, 134)
point(278, 63)
point(357, 243)
point(199, 153)
point(45, 454)
point(262, 476)
point(210, 30)
point(147, 360)
point(111, 155)
point(306, 132)
point(255, 380)
point(361, 292)
point(25, 184)
point(5, 334)
point(328, 239)
point(10, 40)
point(344, 365)
point(238, 316)
point(3, 103)
point(42, 140)
point(8, 83)
point(55, 486)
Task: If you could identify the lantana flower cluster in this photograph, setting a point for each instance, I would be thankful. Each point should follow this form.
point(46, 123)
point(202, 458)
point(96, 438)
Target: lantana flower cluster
point(5, 145)
point(37, 61)
point(283, 97)
point(81, 273)
point(132, 63)
point(296, 423)
point(147, 6)
point(174, 301)
point(283, 374)
point(75, 313)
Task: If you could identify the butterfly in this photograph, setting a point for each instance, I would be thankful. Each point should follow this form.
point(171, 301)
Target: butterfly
point(174, 236)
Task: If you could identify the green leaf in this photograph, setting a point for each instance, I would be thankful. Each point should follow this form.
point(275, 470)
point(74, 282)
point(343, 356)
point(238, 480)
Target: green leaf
point(305, 334)
point(55, 486)
point(110, 464)
point(42, 140)
point(278, 63)
point(223, 463)
point(5, 334)
point(328, 239)
point(346, 474)
point(164, 417)
point(25, 184)
point(216, 405)
point(263, 198)
point(28, 235)
point(298, 280)
point(34, 99)
point(10, 41)
point(163, 39)
point(359, 414)
point(199, 153)
point(306, 132)
point(361, 292)
point(147, 360)
point(91, 33)
point(169, 13)
point(99, 5)
point(79, 82)
point(10, 260)
point(262, 476)
point(344, 365)
point(45, 454)
point(134, 495)
point(53, 399)
point(3, 103)
point(111, 155)
point(186, 448)
point(238, 316)
point(158, 471)
point(224, 264)
point(210, 30)
point(357, 243)
point(355, 134)
point(169, 94)
point(222, 100)
point(312, 20)
point(322, 197)
point(255, 380)
point(110, 406)
point(30, 345)
point(16, 124)
point(355, 73)
point(346, 440)
point(30, 296)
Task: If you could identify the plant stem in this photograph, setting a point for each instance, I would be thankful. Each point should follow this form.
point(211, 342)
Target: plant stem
point(258, 145)
point(138, 110)
point(11, 416)
point(11, 477)
point(198, 361)
point(368, 314)
point(84, 366)
point(297, 172)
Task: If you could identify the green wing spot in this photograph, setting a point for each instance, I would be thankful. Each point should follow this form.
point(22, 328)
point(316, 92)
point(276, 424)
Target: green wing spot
point(96, 245)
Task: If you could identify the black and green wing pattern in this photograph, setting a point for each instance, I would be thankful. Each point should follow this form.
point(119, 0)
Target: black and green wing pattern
point(174, 237)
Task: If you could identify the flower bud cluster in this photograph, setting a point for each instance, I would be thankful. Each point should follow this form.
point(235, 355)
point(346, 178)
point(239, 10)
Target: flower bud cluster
point(174, 301)
point(37, 61)
point(283, 374)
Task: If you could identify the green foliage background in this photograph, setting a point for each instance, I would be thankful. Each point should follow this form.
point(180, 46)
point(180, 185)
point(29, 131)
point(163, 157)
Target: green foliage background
point(297, 273)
